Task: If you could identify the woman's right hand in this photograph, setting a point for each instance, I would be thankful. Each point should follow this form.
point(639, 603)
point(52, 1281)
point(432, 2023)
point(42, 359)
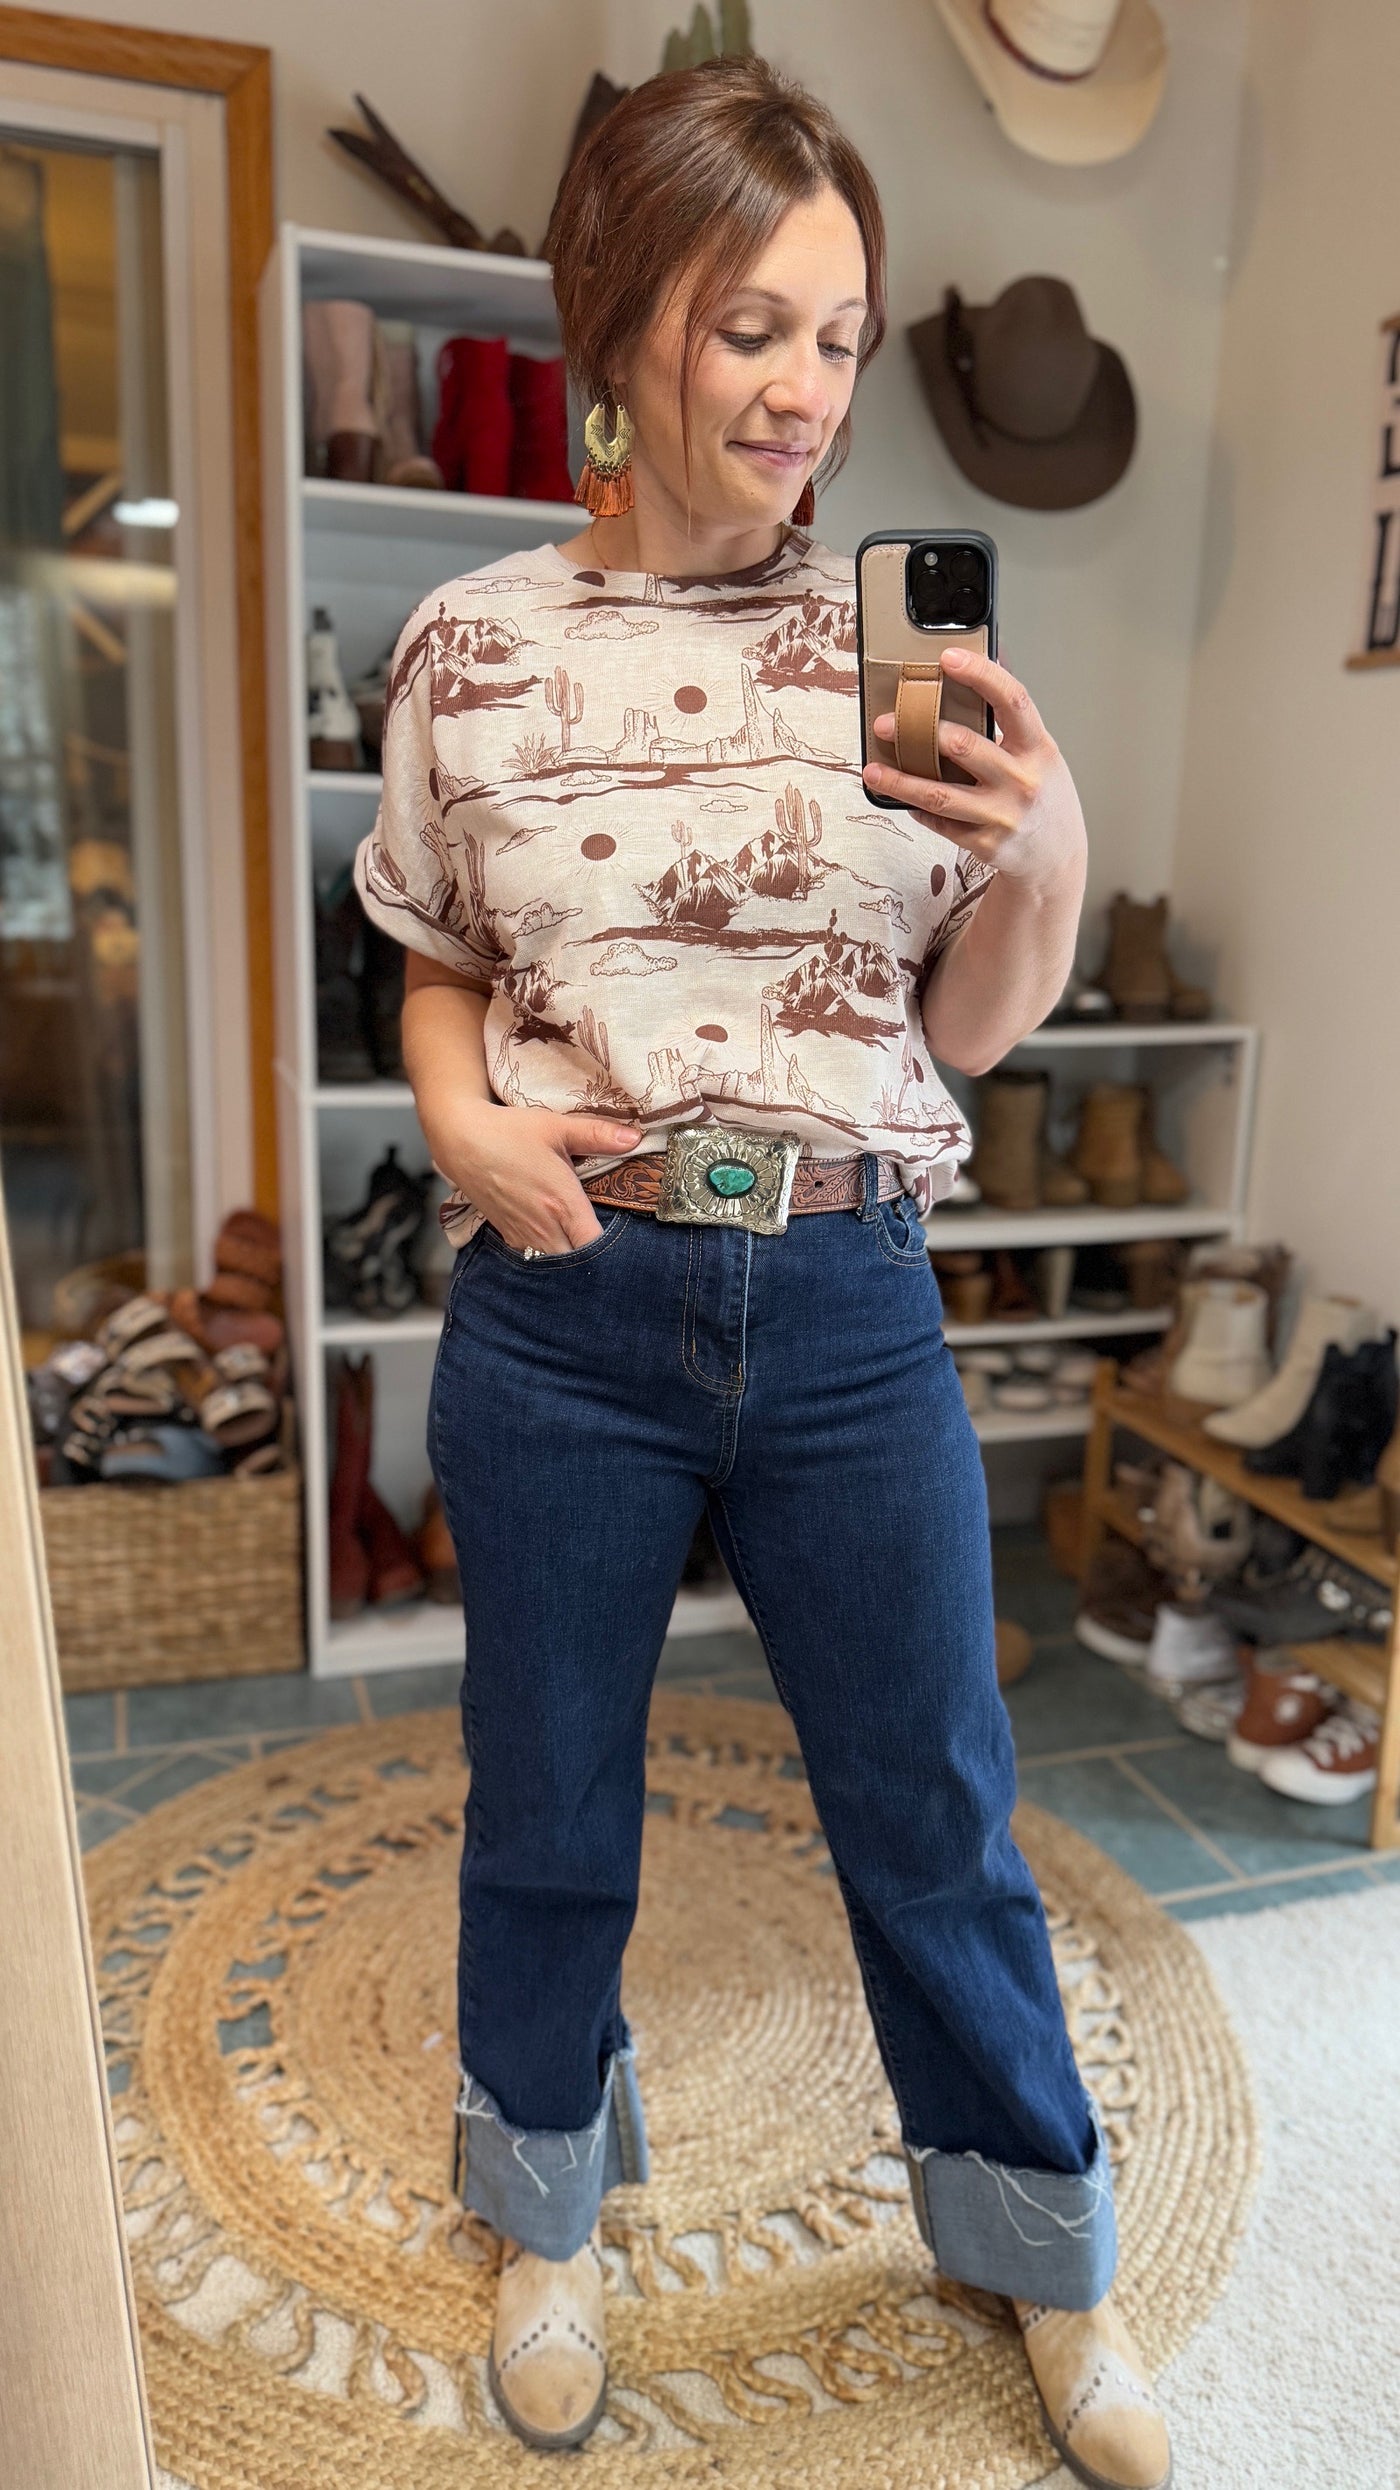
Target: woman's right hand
point(516, 1165)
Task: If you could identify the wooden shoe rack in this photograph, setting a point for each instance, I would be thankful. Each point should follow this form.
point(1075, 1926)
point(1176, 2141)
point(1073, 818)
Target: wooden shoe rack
point(1348, 1527)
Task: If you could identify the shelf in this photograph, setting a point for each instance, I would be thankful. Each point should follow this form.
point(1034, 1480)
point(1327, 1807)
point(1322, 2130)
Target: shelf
point(1346, 1527)
point(342, 785)
point(429, 281)
point(362, 1094)
point(955, 1231)
point(426, 1634)
point(1072, 1326)
point(1029, 1426)
point(376, 511)
point(1135, 1033)
point(362, 1331)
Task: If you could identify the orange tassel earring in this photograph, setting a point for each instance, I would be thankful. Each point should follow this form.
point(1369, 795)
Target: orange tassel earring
point(605, 486)
point(805, 507)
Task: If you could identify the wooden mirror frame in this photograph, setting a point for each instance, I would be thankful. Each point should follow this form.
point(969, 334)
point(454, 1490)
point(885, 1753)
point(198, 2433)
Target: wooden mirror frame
point(242, 74)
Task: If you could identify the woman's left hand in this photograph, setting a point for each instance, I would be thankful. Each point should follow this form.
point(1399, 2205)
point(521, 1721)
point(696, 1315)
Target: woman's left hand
point(1022, 814)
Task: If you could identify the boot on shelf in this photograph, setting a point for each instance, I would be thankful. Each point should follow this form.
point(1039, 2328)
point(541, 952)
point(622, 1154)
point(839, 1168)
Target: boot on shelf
point(338, 347)
point(395, 1575)
point(964, 1284)
point(1153, 1264)
point(1107, 1151)
point(1054, 1273)
point(1163, 1184)
point(1011, 1108)
point(437, 1555)
point(1224, 1360)
point(539, 457)
point(1323, 1322)
point(399, 410)
point(1137, 972)
point(473, 432)
point(349, 1557)
point(1012, 1300)
point(333, 725)
point(1346, 1428)
point(341, 1051)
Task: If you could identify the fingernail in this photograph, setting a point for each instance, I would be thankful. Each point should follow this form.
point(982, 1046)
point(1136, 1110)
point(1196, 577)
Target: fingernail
point(873, 774)
point(953, 656)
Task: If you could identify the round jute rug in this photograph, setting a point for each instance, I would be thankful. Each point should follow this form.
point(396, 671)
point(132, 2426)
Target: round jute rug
point(276, 1956)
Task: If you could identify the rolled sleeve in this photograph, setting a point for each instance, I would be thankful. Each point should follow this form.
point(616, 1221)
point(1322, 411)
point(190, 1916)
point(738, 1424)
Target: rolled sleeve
point(413, 875)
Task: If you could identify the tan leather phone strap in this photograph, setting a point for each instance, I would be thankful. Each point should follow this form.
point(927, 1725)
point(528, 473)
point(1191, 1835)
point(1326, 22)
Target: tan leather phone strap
point(916, 706)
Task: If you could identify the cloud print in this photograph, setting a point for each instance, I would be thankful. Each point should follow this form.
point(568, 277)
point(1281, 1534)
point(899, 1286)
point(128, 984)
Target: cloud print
point(540, 916)
point(603, 623)
point(724, 804)
point(628, 959)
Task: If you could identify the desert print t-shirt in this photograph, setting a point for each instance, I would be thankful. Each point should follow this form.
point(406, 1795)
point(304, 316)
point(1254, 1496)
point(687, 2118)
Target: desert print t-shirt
point(629, 808)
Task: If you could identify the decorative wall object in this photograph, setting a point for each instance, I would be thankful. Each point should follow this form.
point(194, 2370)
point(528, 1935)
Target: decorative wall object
point(1075, 81)
point(705, 39)
point(382, 154)
point(1378, 634)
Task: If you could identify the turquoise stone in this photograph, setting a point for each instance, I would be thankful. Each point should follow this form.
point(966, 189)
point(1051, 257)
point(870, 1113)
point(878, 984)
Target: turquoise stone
point(728, 1176)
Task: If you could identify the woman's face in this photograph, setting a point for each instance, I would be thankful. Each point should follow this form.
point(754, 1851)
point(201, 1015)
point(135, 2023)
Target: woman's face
point(772, 380)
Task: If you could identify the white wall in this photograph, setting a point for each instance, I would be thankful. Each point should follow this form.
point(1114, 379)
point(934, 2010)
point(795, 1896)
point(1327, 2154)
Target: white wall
point(1097, 604)
point(1288, 854)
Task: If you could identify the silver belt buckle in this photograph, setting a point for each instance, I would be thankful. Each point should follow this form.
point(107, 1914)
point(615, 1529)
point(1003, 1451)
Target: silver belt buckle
point(727, 1179)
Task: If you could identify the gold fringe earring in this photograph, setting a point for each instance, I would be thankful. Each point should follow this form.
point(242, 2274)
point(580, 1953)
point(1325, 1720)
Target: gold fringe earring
point(605, 486)
point(805, 507)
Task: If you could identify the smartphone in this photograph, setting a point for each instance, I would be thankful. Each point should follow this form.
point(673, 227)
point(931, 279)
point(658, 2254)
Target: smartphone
point(917, 594)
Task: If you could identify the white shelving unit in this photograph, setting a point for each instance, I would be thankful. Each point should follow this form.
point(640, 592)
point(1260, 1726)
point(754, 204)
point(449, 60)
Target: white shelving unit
point(368, 553)
point(1203, 1076)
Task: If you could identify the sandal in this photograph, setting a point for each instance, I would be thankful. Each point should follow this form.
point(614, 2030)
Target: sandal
point(168, 1456)
point(238, 1414)
point(130, 1322)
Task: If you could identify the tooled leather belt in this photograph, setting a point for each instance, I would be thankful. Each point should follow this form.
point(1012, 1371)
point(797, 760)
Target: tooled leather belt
point(817, 1184)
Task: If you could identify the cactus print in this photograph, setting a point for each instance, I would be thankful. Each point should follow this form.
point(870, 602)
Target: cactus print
point(628, 809)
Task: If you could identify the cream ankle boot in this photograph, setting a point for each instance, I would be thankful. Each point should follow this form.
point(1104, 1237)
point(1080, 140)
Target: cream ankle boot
point(1224, 1360)
point(1272, 1412)
point(1095, 2398)
point(549, 2363)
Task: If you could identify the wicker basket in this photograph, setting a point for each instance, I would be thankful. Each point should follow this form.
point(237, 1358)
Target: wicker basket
point(151, 1585)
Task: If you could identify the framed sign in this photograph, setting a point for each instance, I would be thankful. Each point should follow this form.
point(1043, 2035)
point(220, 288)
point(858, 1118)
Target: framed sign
point(1378, 637)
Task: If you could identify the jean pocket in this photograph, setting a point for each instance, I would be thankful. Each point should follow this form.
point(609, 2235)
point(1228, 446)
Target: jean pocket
point(539, 1263)
point(899, 1233)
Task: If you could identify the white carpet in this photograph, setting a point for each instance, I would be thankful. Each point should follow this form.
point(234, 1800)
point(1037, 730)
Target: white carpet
point(1293, 2382)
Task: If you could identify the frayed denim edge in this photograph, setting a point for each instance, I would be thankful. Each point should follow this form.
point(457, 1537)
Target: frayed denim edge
point(544, 2186)
point(1045, 2235)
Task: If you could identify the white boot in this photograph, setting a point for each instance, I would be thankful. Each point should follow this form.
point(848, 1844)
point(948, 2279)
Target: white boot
point(333, 721)
point(548, 2364)
point(1190, 1647)
point(1225, 1359)
point(1272, 1412)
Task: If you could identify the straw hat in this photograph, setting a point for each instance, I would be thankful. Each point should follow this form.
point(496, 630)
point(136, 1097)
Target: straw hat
point(1034, 409)
point(1076, 81)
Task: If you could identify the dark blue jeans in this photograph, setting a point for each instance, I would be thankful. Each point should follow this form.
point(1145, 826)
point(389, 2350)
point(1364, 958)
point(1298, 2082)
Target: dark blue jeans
point(585, 1407)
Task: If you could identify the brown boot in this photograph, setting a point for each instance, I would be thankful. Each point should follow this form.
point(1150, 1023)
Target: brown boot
point(1010, 1129)
point(349, 1557)
point(1095, 2398)
point(1107, 1150)
point(1060, 1187)
point(338, 343)
point(1153, 1265)
point(1137, 972)
point(964, 1284)
point(395, 1575)
point(1012, 1300)
point(398, 411)
point(437, 1555)
point(1163, 1184)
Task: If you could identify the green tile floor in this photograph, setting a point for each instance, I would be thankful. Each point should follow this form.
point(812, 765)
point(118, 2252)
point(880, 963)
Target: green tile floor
point(1093, 1745)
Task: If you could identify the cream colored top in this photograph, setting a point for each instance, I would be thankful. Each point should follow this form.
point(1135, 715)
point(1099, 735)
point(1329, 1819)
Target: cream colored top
point(629, 809)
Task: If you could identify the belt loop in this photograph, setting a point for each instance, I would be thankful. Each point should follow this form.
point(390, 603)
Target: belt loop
point(871, 1169)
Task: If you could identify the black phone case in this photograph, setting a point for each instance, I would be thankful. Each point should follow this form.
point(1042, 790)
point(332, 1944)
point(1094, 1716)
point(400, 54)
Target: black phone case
point(909, 642)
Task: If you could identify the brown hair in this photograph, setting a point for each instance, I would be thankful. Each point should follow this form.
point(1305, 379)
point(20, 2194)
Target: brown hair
point(693, 172)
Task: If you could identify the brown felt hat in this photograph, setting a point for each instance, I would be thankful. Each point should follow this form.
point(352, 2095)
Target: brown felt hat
point(1034, 409)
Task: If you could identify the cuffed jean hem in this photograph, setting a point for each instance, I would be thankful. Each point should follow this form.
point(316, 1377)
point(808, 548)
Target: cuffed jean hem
point(1047, 2235)
point(543, 2186)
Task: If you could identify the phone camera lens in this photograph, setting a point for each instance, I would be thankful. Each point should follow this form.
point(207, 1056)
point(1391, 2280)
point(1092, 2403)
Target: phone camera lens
point(931, 560)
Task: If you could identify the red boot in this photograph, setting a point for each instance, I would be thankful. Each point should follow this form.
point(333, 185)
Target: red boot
point(473, 432)
point(349, 1565)
point(539, 459)
point(395, 1575)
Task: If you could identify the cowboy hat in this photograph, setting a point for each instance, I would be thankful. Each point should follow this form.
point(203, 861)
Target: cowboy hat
point(1076, 81)
point(1034, 409)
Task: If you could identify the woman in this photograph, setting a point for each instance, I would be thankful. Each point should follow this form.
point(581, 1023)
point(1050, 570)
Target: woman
point(623, 836)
